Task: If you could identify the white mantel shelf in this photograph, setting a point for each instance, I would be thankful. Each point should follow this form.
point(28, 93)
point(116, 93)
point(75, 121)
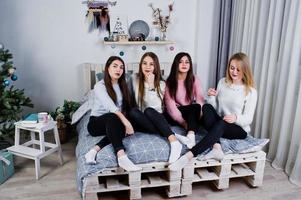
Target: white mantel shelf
point(139, 43)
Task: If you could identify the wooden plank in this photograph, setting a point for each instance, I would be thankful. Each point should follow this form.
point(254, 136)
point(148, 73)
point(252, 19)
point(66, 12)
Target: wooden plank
point(154, 179)
point(204, 174)
point(112, 182)
point(241, 170)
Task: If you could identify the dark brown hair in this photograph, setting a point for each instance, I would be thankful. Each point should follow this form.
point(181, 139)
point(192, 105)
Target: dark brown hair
point(126, 102)
point(141, 78)
point(172, 80)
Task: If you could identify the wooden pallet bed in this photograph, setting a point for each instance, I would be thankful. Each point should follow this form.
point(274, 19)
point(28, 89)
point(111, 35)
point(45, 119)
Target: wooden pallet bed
point(249, 166)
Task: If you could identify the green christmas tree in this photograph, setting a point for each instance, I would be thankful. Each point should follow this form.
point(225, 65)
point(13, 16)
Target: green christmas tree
point(12, 100)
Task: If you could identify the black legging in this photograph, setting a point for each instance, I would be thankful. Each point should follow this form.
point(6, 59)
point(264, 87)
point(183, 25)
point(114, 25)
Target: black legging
point(191, 114)
point(151, 121)
point(216, 128)
point(110, 125)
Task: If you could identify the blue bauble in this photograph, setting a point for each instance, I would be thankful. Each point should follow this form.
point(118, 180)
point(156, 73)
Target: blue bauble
point(6, 82)
point(121, 53)
point(157, 38)
point(106, 39)
point(143, 48)
point(14, 77)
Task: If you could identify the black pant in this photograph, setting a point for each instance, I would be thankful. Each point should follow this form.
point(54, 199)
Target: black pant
point(216, 128)
point(151, 121)
point(191, 114)
point(109, 125)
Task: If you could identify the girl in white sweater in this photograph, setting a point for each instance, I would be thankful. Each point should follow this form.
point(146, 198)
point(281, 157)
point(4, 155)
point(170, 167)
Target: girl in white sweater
point(148, 89)
point(229, 112)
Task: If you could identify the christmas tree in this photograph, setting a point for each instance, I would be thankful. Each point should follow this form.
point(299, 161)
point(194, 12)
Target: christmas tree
point(11, 99)
point(118, 27)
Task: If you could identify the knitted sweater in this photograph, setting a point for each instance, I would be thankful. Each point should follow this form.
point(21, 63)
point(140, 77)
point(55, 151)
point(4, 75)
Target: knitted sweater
point(102, 101)
point(231, 99)
point(151, 97)
point(180, 99)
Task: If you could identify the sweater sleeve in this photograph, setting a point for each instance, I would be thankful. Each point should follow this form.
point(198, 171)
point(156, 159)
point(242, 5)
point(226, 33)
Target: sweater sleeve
point(246, 117)
point(102, 97)
point(198, 91)
point(172, 108)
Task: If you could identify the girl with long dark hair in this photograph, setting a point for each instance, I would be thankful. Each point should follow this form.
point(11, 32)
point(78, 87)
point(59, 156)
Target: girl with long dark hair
point(184, 97)
point(108, 115)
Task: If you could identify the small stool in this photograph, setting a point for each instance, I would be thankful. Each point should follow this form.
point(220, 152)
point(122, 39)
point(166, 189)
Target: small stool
point(24, 150)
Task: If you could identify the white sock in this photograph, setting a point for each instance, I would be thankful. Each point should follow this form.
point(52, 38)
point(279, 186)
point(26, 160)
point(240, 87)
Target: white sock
point(179, 164)
point(191, 137)
point(125, 163)
point(183, 139)
point(175, 151)
point(216, 154)
point(90, 156)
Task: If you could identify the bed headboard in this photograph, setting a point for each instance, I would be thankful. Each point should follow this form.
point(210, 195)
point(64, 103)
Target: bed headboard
point(91, 69)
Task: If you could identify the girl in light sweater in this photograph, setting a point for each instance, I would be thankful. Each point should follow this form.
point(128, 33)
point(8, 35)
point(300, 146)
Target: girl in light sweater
point(184, 97)
point(230, 111)
point(108, 115)
point(148, 88)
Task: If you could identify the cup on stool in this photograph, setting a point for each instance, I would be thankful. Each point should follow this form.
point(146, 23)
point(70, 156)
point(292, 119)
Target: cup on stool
point(43, 117)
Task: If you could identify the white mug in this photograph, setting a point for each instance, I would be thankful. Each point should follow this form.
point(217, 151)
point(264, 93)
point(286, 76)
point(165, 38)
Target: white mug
point(43, 117)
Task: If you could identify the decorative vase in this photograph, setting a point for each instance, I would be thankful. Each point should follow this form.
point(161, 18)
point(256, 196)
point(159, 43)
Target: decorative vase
point(156, 34)
point(63, 133)
point(163, 36)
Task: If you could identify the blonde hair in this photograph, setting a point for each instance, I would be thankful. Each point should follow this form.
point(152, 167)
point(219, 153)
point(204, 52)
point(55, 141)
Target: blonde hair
point(245, 66)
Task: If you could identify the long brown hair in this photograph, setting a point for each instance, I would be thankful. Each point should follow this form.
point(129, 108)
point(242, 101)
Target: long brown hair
point(245, 66)
point(141, 78)
point(172, 80)
point(126, 101)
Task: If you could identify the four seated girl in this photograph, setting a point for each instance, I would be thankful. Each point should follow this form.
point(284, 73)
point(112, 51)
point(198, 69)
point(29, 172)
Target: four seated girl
point(223, 116)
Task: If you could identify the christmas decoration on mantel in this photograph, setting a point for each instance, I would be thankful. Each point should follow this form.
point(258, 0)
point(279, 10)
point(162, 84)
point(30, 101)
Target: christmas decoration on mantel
point(11, 100)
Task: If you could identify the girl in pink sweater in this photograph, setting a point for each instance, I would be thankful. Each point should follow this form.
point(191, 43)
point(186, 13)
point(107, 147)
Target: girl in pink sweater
point(184, 97)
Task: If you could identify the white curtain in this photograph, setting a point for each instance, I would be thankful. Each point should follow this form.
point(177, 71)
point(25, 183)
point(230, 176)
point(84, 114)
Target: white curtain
point(269, 32)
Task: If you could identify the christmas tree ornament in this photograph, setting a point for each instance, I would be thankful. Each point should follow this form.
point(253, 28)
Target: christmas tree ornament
point(143, 48)
point(171, 48)
point(113, 46)
point(121, 53)
point(6, 82)
point(14, 77)
point(11, 71)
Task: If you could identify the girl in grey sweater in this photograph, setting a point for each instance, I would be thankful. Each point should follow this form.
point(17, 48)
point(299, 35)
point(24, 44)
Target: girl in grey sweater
point(111, 103)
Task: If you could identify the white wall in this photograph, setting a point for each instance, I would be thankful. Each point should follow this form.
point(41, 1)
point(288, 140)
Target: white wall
point(50, 40)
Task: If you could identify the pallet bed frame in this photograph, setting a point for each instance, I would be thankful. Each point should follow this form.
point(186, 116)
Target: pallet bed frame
point(249, 166)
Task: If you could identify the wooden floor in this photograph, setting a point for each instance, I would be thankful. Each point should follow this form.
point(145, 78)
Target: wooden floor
point(58, 182)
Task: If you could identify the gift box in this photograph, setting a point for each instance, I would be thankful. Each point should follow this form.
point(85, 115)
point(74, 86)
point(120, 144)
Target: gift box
point(6, 166)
